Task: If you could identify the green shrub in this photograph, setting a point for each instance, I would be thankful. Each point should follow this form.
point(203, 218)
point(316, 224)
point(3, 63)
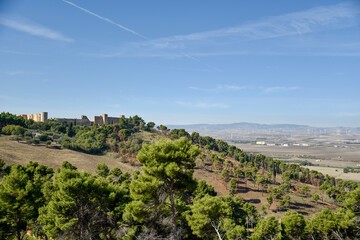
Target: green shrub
point(44, 137)
point(13, 130)
point(28, 134)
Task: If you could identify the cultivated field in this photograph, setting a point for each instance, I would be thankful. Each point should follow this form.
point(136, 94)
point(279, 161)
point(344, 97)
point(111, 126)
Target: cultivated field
point(330, 160)
point(348, 156)
point(336, 172)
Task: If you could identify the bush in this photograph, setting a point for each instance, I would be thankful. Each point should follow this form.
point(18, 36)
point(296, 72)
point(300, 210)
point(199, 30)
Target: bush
point(28, 140)
point(28, 134)
point(35, 141)
point(16, 138)
point(44, 137)
point(13, 130)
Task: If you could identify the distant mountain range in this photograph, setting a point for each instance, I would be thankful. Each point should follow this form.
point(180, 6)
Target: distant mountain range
point(256, 128)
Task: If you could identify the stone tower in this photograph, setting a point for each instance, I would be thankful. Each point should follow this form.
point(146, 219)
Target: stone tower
point(105, 118)
point(43, 116)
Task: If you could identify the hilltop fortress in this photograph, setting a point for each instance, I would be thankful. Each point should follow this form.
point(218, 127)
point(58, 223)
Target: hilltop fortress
point(83, 121)
point(37, 117)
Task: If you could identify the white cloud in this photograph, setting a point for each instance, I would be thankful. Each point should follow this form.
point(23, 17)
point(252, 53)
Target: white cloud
point(224, 88)
point(221, 88)
point(314, 19)
point(280, 89)
point(241, 40)
point(196, 45)
point(18, 72)
point(35, 30)
point(202, 105)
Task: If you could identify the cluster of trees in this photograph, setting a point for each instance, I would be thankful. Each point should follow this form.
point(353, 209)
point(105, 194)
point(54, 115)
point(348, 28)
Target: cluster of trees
point(162, 201)
point(10, 119)
point(13, 130)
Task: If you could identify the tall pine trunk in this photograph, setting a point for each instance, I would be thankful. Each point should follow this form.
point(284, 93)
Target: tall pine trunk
point(173, 210)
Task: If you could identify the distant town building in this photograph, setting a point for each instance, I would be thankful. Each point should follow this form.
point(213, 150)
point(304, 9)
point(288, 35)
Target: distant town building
point(260, 143)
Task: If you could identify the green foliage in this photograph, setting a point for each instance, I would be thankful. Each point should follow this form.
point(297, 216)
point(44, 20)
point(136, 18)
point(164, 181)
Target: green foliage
point(13, 130)
point(315, 197)
point(353, 201)
point(116, 172)
point(81, 206)
point(151, 125)
point(102, 170)
point(210, 216)
point(332, 225)
point(225, 175)
point(304, 190)
point(202, 189)
point(270, 200)
point(285, 202)
point(2, 169)
point(21, 197)
point(267, 228)
point(89, 141)
point(252, 215)
point(232, 187)
point(70, 131)
point(178, 133)
point(292, 225)
point(10, 119)
point(167, 176)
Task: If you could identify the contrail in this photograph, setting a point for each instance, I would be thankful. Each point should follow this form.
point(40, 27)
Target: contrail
point(106, 20)
point(131, 31)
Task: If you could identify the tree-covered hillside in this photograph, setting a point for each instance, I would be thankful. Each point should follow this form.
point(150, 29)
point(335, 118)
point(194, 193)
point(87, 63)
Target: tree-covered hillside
point(163, 200)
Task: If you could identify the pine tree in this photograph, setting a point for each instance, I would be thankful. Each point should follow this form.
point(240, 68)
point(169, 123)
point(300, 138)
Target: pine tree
point(81, 206)
point(167, 176)
point(21, 197)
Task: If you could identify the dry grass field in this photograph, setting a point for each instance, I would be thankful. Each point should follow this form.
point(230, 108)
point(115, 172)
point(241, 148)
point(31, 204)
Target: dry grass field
point(337, 173)
point(21, 153)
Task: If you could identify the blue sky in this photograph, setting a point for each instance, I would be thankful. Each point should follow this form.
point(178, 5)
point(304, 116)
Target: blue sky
point(183, 62)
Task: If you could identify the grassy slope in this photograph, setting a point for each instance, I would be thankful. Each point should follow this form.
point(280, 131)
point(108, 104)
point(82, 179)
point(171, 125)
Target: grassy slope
point(19, 153)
